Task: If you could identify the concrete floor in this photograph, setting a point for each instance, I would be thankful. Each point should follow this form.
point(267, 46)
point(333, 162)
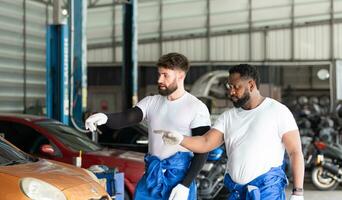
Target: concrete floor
point(311, 193)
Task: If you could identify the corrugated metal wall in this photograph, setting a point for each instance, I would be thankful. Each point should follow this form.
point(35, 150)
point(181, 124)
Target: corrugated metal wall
point(223, 30)
point(204, 30)
point(22, 55)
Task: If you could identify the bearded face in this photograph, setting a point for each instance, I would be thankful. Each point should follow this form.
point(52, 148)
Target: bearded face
point(240, 101)
point(166, 90)
point(167, 81)
point(238, 90)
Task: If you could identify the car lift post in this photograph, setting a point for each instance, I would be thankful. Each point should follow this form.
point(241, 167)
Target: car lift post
point(78, 62)
point(57, 67)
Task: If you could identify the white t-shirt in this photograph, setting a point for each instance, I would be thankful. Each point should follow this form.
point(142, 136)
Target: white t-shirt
point(253, 138)
point(180, 115)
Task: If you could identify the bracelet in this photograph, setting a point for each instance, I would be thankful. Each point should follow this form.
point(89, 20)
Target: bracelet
point(297, 190)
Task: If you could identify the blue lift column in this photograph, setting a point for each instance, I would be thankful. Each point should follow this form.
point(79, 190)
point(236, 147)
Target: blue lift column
point(78, 66)
point(57, 67)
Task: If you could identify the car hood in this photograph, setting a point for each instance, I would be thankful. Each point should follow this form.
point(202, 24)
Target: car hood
point(60, 175)
point(129, 162)
point(119, 154)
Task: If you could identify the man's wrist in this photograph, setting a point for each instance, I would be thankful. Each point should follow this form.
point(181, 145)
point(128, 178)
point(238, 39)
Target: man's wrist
point(298, 191)
point(185, 184)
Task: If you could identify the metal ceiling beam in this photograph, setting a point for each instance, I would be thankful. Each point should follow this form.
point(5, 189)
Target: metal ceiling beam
point(91, 3)
point(272, 62)
point(42, 1)
point(217, 33)
point(115, 3)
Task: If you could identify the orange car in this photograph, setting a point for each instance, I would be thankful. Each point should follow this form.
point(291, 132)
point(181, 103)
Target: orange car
point(24, 177)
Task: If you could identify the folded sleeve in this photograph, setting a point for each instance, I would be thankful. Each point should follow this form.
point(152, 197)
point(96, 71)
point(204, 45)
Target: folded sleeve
point(286, 121)
point(144, 105)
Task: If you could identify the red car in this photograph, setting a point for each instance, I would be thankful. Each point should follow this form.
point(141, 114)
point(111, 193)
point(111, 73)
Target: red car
point(53, 140)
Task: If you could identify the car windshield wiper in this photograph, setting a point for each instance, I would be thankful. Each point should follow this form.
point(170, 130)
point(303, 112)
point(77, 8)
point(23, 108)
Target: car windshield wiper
point(32, 158)
point(14, 162)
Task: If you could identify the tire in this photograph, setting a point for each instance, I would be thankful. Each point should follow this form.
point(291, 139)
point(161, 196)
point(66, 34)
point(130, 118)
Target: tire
point(127, 196)
point(322, 180)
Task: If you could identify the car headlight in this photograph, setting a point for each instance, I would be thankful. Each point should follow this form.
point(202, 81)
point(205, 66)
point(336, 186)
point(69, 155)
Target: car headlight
point(92, 175)
point(38, 189)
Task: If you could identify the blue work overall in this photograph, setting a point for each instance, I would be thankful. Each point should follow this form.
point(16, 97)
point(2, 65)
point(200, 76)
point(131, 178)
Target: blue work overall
point(268, 186)
point(161, 176)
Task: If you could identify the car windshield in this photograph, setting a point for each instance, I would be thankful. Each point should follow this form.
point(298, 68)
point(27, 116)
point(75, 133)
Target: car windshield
point(70, 137)
point(10, 155)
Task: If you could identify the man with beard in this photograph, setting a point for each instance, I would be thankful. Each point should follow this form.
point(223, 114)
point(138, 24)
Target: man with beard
point(256, 132)
point(170, 170)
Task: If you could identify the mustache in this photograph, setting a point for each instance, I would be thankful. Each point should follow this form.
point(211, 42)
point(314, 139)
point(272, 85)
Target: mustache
point(232, 97)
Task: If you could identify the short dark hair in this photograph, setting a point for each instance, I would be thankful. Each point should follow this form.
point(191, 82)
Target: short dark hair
point(173, 61)
point(247, 71)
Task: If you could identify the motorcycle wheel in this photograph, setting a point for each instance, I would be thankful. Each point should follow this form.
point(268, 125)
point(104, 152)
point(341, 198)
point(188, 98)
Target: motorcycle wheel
point(322, 180)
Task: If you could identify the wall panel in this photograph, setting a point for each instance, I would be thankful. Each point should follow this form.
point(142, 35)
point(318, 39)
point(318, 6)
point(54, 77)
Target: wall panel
point(312, 43)
point(258, 46)
point(12, 50)
point(338, 41)
point(278, 44)
point(148, 52)
point(231, 47)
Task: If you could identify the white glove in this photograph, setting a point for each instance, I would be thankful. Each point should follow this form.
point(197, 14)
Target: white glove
point(95, 120)
point(180, 192)
point(170, 138)
point(296, 197)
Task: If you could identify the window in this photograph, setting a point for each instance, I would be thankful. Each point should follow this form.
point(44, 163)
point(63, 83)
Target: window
point(24, 137)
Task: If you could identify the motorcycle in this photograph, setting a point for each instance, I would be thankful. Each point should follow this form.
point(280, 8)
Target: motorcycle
point(327, 174)
point(312, 128)
point(210, 178)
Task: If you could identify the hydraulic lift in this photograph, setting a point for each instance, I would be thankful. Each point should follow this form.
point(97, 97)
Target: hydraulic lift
point(66, 88)
point(66, 75)
point(66, 62)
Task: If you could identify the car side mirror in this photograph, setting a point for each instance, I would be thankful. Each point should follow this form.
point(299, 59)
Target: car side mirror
point(47, 149)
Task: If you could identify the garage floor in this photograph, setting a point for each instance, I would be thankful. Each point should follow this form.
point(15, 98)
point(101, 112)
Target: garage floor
point(311, 193)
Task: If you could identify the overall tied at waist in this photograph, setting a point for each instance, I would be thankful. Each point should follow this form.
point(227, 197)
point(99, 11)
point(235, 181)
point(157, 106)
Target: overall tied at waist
point(162, 175)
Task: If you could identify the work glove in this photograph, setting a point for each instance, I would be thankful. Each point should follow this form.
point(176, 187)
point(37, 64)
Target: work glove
point(170, 138)
point(296, 197)
point(95, 120)
point(180, 192)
